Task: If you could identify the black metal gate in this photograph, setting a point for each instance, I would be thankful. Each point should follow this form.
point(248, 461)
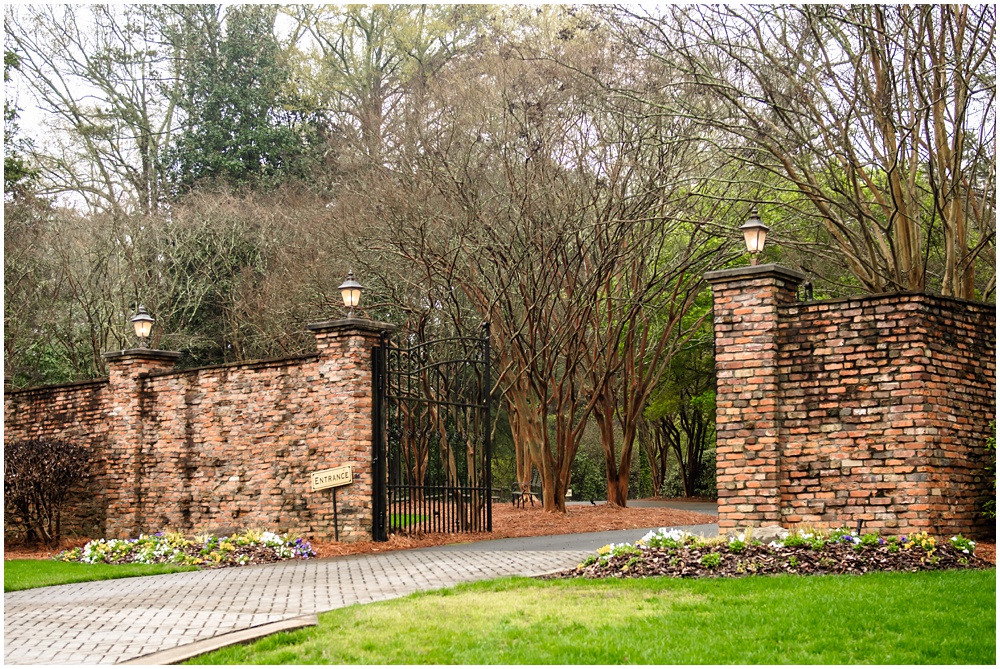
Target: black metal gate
point(431, 436)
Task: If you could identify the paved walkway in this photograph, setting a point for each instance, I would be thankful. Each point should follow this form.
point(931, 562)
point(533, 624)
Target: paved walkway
point(109, 622)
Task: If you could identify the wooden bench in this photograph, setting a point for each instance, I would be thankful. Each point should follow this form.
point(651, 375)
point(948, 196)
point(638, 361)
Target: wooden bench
point(534, 489)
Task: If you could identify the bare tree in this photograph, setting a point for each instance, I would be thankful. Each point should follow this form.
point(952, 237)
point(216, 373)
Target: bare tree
point(880, 118)
point(635, 339)
point(657, 452)
point(374, 63)
point(663, 226)
point(105, 79)
point(559, 219)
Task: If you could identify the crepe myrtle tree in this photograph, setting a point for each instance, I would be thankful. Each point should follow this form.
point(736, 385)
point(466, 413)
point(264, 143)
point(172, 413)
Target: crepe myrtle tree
point(879, 120)
point(565, 225)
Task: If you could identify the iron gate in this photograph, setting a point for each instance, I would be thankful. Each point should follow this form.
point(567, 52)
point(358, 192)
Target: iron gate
point(431, 452)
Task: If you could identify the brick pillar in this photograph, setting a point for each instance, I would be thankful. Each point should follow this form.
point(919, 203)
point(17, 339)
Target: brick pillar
point(126, 440)
point(748, 452)
point(345, 366)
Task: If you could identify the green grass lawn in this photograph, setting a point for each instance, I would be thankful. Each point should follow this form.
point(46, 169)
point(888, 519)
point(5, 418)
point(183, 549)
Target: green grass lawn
point(24, 574)
point(406, 519)
point(883, 618)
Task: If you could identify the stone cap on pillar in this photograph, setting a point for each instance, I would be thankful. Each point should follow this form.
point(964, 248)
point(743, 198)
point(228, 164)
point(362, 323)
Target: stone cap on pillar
point(137, 361)
point(346, 324)
point(151, 354)
point(754, 272)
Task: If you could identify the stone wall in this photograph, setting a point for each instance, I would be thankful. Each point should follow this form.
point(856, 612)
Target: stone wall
point(220, 447)
point(873, 408)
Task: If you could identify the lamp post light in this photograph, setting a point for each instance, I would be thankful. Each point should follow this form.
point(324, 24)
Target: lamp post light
point(754, 234)
point(143, 324)
point(350, 290)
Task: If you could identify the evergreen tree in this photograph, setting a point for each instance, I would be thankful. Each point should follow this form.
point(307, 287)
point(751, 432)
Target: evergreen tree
point(16, 172)
point(240, 128)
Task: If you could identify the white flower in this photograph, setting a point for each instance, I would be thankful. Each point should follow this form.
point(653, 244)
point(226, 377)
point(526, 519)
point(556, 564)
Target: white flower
point(271, 539)
point(649, 535)
point(664, 534)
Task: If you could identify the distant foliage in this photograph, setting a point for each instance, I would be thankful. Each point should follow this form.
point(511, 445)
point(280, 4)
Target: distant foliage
point(704, 483)
point(38, 477)
point(587, 479)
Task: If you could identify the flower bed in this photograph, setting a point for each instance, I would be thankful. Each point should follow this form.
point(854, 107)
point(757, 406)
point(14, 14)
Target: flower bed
point(247, 547)
point(676, 553)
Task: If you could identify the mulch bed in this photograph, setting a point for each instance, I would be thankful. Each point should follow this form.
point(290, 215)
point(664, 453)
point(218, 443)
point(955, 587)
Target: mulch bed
point(987, 551)
point(690, 561)
point(509, 522)
point(19, 552)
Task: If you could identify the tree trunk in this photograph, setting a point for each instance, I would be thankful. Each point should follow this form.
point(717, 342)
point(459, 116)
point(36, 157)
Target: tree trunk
point(651, 441)
point(604, 415)
point(522, 456)
point(527, 434)
point(618, 489)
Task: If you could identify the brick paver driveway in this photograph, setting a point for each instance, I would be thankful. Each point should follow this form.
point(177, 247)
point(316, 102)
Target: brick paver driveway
point(116, 621)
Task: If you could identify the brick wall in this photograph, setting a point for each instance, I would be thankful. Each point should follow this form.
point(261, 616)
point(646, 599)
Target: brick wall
point(224, 446)
point(873, 408)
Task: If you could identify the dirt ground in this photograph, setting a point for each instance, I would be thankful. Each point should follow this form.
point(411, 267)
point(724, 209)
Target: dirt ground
point(507, 522)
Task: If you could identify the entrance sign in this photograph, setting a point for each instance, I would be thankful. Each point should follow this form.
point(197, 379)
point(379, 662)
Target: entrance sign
point(332, 478)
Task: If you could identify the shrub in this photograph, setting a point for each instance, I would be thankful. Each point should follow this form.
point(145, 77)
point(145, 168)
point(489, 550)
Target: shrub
point(960, 543)
point(711, 560)
point(38, 477)
point(795, 541)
